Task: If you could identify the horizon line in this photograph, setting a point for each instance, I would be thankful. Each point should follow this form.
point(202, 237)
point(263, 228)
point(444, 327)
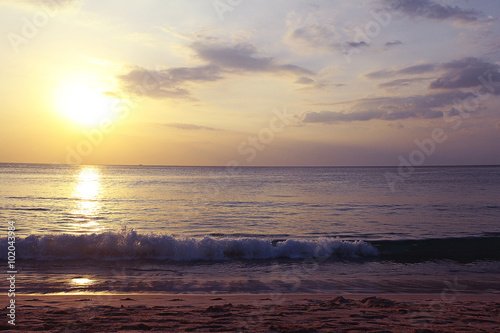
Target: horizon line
point(261, 166)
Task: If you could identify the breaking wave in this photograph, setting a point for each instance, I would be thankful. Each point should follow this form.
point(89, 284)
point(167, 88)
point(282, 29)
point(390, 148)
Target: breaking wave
point(134, 246)
point(130, 245)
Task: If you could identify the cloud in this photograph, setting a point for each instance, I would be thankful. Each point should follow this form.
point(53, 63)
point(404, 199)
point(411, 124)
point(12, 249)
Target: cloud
point(323, 37)
point(304, 80)
point(200, 73)
point(165, 83)
point(411, 70)
point(390, 108)
point(242, 57)
point(466, 73)
point(412, 103)
point(356, 44)
point(402, 82)
point(220, 60)
point(183, 126)
point(321, 85)
point(417, 69)
point(463, 73)
point(393, 43)
point(330, 117)
point(432, 10)
point(452, 78)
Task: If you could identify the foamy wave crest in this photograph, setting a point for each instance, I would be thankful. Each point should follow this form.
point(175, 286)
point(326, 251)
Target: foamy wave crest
point(131, 246)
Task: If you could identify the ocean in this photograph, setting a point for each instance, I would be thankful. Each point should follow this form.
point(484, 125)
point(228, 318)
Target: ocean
point(264, 230)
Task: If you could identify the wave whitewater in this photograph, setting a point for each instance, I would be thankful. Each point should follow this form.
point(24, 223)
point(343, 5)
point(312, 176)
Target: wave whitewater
point(130, 245)
point(133, 246)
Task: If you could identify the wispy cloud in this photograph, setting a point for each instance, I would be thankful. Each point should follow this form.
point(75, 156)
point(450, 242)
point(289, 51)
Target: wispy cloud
point(466, 73)
point(402, 82)
point(190, 127)
point(390, 108)
point(324, 37)
point(451, 78)
point(221, 60)
point(242, 57)
point(393, 43)
point(166, 83)
point(462, 73)
point(304, 80)
point(433, 10)
point(330, 117)
point(411, 70)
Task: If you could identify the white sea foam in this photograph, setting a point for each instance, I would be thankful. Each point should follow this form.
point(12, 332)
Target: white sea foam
point(132, 245)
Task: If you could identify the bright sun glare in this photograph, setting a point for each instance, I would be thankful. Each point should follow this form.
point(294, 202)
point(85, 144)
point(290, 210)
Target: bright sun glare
point(88, 194)
point(84, 105)
point(81, 282)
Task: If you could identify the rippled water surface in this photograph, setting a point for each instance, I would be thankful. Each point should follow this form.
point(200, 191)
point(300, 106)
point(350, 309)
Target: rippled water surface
point(252, 229)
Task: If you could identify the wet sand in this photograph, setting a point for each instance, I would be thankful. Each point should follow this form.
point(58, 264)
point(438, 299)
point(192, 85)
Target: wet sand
point(256, 313)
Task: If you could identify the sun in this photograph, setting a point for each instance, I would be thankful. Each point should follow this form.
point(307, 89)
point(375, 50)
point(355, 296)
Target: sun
point(84, 104)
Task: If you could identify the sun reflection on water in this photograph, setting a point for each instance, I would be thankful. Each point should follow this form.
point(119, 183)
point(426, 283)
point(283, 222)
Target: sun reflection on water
point(87, 192)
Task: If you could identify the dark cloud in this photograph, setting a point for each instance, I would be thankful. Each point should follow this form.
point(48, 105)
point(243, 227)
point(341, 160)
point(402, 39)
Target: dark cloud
point(348, 48)
point(166, 83)
point(466, 73)
point(383, 73)
point(321, 86)
point(453, 75)
point(324, 37)
point(390, 108)
point(463, 73)
point(414, 103)
point(220, 60)
point(432, 10)
point(417, 69)
point(202, 73)
point(356, 44)
point(411, 70)
point(330, 117)
point(402, 82)
point(242, 57)
point(183, 126)
point(393, 43)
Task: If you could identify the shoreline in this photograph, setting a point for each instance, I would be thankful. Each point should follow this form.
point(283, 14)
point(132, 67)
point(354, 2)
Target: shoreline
point(257, 312)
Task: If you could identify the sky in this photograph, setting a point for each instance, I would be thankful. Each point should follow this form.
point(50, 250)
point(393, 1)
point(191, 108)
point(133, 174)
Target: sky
point(250, 82)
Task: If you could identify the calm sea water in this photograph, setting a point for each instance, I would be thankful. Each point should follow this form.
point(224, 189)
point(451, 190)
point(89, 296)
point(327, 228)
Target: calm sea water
point(255, 229)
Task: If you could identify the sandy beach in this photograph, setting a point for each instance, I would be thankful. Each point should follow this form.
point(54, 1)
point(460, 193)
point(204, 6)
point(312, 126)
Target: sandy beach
point(256, 313)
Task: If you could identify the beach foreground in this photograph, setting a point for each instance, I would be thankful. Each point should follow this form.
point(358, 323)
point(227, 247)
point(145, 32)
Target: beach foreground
point(257, 313)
